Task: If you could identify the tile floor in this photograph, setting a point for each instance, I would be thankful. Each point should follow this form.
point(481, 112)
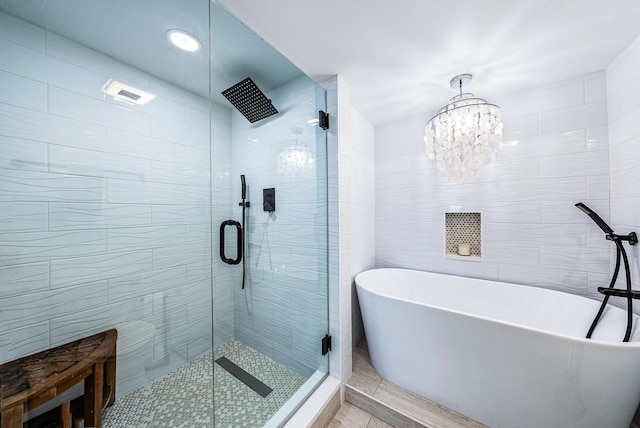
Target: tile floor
point(350, 416)
point(372, 392)
point(185, 397)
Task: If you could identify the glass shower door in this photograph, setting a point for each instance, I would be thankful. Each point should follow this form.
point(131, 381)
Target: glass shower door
point(273, 327)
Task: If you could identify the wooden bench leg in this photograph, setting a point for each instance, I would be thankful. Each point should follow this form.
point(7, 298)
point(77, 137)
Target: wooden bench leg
point(65, 414)
point(110, 378)
point(12, 418)
point(93, 397)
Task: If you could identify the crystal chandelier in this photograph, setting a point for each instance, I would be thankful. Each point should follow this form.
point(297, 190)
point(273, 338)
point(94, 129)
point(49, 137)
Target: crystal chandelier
point(464, 134)
point(296, 160)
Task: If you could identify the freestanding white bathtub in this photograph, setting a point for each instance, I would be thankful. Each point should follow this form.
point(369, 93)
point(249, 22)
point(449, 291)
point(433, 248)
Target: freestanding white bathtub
point(503, 354)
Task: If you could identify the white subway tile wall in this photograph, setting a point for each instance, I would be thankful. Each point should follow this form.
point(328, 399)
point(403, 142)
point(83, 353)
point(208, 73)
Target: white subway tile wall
point(623, 97)
point(351, 220)
point(363, 210)
point(554, 155)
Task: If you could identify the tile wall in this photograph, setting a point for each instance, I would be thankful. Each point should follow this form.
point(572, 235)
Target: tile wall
point(351, 220)
point(105, 213)
point(363, 209)
point(341, 145)
point(555, 154)
point(623, 90)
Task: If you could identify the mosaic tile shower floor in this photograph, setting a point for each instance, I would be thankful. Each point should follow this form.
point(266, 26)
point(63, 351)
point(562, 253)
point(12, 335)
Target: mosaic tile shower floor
point(185, 397)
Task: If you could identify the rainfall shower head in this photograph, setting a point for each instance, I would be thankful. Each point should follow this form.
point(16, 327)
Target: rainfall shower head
point(249, 100)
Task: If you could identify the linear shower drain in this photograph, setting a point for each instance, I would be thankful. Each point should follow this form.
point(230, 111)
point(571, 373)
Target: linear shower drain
point(244, 376)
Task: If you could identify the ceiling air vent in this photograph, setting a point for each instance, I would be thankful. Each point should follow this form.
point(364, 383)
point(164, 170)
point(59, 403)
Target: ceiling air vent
point(126, 93)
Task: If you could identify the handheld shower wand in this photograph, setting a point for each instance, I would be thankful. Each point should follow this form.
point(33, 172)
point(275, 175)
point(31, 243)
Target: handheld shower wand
point(595, 217)
point(244, 204)
point(620, 253)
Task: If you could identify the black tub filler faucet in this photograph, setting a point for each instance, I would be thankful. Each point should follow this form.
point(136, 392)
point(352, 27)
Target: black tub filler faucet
point(629, 294)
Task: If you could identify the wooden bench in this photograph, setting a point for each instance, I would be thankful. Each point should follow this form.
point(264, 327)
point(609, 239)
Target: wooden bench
point(28, 382)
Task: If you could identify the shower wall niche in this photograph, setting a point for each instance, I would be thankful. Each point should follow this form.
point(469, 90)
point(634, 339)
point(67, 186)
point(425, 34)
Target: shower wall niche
point(463, 236)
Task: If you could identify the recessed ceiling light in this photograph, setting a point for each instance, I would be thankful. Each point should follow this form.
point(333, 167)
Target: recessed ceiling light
point(183, 40)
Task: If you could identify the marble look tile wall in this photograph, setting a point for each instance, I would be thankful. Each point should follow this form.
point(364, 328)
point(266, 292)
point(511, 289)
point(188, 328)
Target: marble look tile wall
point(623, 90)
point(105, 207)
point(555, 154)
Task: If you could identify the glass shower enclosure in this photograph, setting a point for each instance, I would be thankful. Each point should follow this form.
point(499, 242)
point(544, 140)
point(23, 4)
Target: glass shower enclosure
point(121, 205)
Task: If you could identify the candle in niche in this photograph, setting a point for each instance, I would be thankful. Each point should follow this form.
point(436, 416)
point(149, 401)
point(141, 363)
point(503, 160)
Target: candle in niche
point(464, 249)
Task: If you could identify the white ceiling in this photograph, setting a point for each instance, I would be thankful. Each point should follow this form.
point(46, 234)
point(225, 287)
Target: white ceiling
point(134, 32)
point(398, 56)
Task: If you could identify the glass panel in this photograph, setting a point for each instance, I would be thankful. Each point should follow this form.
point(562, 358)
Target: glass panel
point(273, 326)
point(105, 205)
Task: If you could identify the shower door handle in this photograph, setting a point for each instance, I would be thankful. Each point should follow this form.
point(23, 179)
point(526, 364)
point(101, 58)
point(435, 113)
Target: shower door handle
point(223, 256)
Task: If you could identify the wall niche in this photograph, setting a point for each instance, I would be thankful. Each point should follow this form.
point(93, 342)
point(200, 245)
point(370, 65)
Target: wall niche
point(463, 236)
